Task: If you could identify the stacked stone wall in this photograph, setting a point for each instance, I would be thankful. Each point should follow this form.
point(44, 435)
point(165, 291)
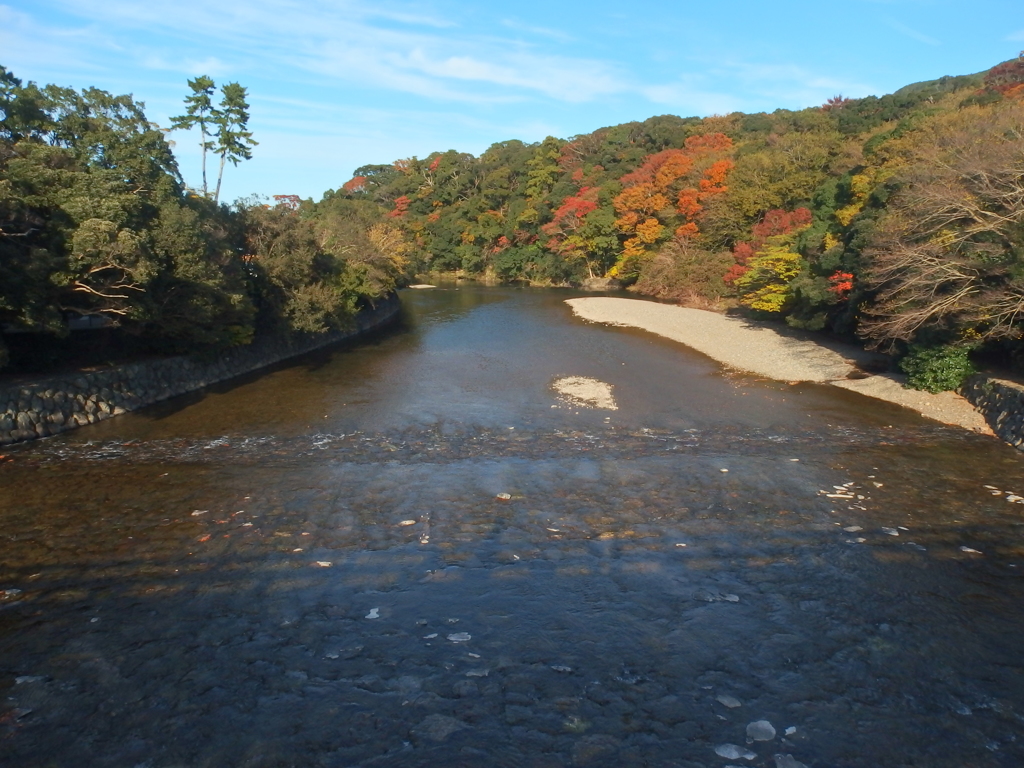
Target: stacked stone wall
point(54, 404)
point(1001, 402)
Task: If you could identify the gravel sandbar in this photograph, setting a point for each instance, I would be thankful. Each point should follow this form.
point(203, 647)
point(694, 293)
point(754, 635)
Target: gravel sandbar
point(757, 348)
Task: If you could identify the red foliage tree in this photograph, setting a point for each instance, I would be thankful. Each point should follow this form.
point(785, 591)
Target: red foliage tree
point(837, 102)
point(401, 207)
point(289, 202)
point(569, 217)
point(1007, 78)
point(841, 283)
point(355, 184)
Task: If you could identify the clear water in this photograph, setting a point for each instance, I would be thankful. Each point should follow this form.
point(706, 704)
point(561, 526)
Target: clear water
point(315, 566)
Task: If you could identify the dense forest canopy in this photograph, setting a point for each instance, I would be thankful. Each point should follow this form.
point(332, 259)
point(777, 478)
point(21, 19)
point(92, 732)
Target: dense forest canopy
point(897, 219)
point(96, 222)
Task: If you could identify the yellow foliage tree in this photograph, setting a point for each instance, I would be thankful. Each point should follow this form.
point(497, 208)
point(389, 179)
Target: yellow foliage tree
point(766, 284)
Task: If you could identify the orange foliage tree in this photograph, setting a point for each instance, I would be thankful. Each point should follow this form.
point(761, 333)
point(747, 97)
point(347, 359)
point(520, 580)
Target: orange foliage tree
point(657, 194)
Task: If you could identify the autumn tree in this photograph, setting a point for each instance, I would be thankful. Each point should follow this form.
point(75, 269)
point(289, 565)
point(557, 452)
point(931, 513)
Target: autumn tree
point(669, 190)
point(584, 229)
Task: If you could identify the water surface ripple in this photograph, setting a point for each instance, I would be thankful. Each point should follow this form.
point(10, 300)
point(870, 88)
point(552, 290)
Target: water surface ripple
point(412, 552)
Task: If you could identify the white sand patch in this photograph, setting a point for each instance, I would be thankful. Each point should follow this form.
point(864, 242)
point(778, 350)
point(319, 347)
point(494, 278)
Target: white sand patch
point(584, 392)
point(421, 286)
point(729, 340)
point(762, 350)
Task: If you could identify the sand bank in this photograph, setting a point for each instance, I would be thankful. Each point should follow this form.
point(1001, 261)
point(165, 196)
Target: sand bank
point(775, 353)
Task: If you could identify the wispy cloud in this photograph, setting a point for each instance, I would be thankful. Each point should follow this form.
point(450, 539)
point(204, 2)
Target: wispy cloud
point(46, 48)
point(553, 34)
point(687, 99)
point(377, 47)
point(1016, 36)
point(724, 86)
point(913, 34)
point(210, 65)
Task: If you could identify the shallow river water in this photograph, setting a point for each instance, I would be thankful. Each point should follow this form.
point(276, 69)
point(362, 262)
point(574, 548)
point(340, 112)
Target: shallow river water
point(412, 552)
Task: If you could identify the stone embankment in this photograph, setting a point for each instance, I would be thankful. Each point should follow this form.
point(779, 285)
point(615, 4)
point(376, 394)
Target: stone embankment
point(48, 406)
point(1001, 402)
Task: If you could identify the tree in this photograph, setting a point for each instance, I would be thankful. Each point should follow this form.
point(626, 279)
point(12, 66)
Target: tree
point(583, 228)
point(670, 187)
point(233, 140)
point(947, 259)
point(199, 111)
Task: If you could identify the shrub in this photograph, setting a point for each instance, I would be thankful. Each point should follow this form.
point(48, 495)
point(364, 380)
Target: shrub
point(937, 369)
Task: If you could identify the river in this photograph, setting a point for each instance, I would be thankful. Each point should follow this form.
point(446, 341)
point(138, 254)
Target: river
point(411, 551)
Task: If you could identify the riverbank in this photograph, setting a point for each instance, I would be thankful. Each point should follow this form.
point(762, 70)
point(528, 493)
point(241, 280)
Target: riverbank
point(774, 353)
point(49, 405)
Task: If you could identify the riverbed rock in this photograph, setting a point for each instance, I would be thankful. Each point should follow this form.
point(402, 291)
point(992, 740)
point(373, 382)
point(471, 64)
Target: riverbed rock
point(787, 761)
point(760, 730)
point(734, 752)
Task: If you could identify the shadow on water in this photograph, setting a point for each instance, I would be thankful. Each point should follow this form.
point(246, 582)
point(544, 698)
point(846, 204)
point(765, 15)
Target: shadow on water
point(284, 596)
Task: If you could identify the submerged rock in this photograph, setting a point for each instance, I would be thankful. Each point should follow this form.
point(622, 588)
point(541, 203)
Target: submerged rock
point(733, 752)
point(787, 761)
point(760, 730)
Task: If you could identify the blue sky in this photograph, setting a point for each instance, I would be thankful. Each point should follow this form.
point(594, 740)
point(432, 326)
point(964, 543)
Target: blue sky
point(336, 85)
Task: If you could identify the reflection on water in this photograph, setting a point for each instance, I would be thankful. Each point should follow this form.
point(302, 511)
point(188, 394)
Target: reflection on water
point(401, 554)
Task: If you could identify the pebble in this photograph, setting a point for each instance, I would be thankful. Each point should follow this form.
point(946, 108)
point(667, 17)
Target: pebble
point(732, 752)
point(760, 730)
point(561, 668)
point(460, 637)
point(791, 730)
point(504, 496)
point(970, 550)
point(852, 528)
point(324, 563)
point(408, 522)
point(431, 636)
point(891, 531)
point(730, 701)
point(373, 614)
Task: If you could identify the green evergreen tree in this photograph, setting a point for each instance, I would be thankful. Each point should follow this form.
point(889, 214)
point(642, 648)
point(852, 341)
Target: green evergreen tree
point(199, 111)
point(233, 138)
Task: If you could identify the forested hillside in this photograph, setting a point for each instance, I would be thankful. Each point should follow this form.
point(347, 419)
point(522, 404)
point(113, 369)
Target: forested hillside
point(95, 222)
point(896, 219)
